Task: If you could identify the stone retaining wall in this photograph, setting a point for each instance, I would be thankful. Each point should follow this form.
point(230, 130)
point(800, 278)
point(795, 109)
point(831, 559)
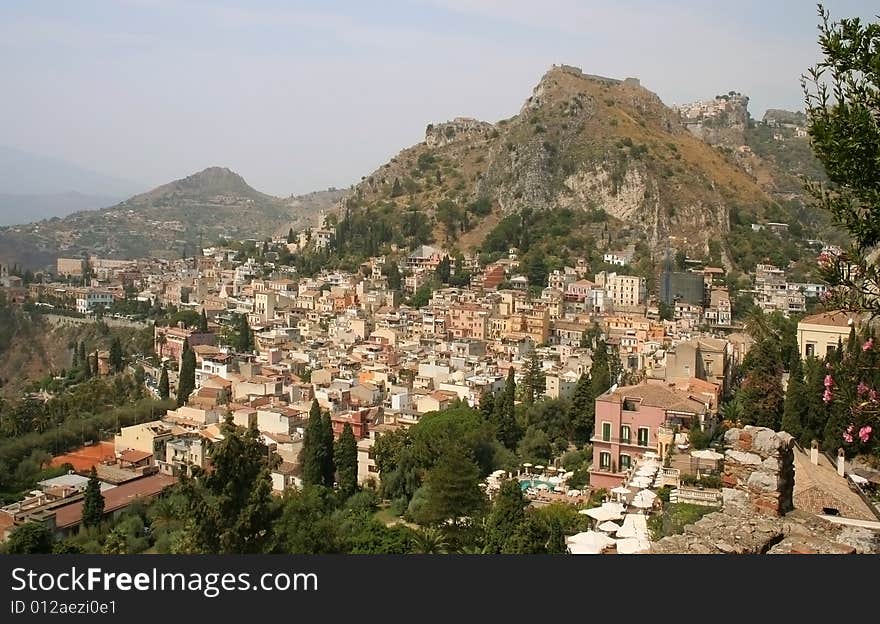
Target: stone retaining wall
point(760, 463)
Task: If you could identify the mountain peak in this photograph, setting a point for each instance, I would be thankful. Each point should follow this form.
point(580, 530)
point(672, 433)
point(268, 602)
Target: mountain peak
point(210, 182)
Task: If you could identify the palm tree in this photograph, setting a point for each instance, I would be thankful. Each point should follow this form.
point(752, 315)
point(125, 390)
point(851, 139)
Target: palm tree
point(430, 541)
point(163, 514)
point(732, 411)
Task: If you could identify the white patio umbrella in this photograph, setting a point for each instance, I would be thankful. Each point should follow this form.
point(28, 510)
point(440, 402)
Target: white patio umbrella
point(641, 482)
point(608, 526)
point(601, 514)
point(543, 486)
point(553, 480)
point(589, 543)
point(620, 491)
point(559, 488)
point(632, 545)
point(641, 503)
point(707, 454)
point(568, 475)
point(646, 494)
point(646, 472)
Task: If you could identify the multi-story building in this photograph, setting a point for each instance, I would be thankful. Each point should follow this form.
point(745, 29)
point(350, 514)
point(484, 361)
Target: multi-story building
point(89, 299)
point(633, 420)
point(625, 291)
point(819, 334)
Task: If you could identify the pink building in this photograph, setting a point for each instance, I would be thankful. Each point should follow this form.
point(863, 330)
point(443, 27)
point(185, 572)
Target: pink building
point(633, 420)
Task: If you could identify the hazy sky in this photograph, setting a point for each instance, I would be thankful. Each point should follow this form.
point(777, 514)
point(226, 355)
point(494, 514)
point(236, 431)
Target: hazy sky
point(299, 96)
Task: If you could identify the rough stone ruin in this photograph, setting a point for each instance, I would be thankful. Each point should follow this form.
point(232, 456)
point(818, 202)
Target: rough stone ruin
point(757, 516)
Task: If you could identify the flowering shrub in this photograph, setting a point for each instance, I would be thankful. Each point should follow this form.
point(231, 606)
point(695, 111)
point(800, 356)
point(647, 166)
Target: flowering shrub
point(850, 390)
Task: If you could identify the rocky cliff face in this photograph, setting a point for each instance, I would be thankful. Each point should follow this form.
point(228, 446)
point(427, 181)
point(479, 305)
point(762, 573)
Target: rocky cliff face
point(581, 142)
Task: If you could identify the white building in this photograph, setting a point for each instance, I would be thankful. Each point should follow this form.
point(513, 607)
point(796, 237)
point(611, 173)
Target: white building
point(86, 302)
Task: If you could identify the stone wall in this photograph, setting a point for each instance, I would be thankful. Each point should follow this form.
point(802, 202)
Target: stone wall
point(760, 463)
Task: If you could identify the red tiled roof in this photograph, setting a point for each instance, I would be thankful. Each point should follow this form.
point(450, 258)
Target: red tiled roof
point(116, 498)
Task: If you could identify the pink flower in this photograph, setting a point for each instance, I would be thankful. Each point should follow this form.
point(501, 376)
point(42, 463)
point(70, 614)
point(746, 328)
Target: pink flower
point(847, 438)
point(865, 433)
point(869, 344)
point(872, 395)
point(826, 396)
point(829, 381)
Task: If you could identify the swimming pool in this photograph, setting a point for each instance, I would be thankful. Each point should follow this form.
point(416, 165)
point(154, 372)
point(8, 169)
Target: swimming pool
point(534, 483)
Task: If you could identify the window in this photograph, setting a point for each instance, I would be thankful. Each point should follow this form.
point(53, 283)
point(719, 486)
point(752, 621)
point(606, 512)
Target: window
point(604, 461)
point(811, 349)
point(625, 434)
point(606, 431)
point(830, 348)
point(643, 436)
point(625, 462)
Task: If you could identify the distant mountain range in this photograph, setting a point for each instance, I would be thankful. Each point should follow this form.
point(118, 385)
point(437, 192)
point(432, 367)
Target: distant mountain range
point(168, 221)
point(34, 187)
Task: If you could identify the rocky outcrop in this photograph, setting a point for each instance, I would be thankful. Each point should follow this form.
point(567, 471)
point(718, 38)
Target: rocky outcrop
point(757, 516)
point(760, 463)
point(459, 129)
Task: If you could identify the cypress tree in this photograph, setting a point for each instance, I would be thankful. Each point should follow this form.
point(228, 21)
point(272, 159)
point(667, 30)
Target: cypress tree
point(116, 355)
point(328, 467)
point(164, 391)
point(600, 371)
point(535, 380)
point(345, 456)
point(487, 406)
point(795, 410)
point(96, 371)
point(93, 501)
point(507, 428)
point(508, 512)
point(203, 321)
point(583, 411)
point(186, 381)
point(310, 456)
point(290, 236)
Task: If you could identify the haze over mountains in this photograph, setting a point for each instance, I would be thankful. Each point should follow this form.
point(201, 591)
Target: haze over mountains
point(606, 148)
point(34, 187)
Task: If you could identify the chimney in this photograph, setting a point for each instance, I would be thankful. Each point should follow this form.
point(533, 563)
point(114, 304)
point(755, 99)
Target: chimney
point(814, 453)
point(841, 460)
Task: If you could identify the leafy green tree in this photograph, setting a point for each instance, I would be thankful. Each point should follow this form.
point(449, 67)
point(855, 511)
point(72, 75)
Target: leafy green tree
point(392, 274)
point(93, 502)
point(507, 428)
point(583, 410)
point(306, 525)
point(115, 543)
point(186, 380)
point(535, 446)
point(507, 514)
point(31, 538)
point(841, 97)
point(116, 362)
point(239, 494)
point(453, 488)
point(487, 405)
point(429, 541)
point(795, 406)
point(444, 270)
point(534, 380)
point(761, 393)
point(164, 390)
point(346, 461)
point(600, 370)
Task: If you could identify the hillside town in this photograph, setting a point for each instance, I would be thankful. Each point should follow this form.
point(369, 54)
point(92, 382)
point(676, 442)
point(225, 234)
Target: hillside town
point(363, 351)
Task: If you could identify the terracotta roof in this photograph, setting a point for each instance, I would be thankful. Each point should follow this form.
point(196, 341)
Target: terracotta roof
point(837, 318)
point(116, 498)
point(133, 456)
point(654, 395)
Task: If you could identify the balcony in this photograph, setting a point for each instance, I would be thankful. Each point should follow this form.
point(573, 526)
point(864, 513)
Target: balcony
point(641, 444)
